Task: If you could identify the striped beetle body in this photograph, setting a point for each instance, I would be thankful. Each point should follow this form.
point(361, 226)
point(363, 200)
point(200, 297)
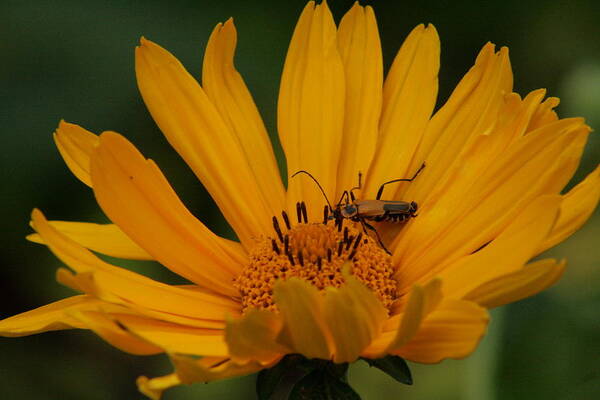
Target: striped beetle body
point(369, 210)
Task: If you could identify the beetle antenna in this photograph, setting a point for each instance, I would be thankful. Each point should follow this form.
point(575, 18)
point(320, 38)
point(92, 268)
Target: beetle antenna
point(317, 182)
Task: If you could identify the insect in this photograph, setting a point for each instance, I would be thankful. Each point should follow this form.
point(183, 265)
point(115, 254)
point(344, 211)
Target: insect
point(369, 210)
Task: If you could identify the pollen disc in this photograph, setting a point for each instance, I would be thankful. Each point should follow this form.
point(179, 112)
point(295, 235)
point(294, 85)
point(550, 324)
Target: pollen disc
point(315, 252)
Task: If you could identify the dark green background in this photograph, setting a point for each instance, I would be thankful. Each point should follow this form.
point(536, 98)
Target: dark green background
point(74, 60)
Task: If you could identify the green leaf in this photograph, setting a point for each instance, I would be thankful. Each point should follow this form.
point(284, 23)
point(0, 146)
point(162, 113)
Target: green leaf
point(394, 366)
point(276, 383)
point(322, 385)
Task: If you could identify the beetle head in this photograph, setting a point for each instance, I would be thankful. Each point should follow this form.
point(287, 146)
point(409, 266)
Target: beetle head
point(349, 210)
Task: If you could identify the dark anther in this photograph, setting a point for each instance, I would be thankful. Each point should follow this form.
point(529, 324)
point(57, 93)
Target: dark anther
point(299, 212)
point(286, 219)
point(366, 241)
point(275, 247)
point(329, 255)
point(291, 258)
point(319, 263)
point(351, 256)
point(340, 222)
point(286, 244)
point(304, 213)
point(300, 258)
point(340, 247)
point(346, 235)
point(349, 242)
point(357, 241)
point(326, 215)
point(277, 230)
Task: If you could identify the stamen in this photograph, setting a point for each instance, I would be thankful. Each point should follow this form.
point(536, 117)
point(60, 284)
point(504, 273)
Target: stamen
point(291, 258)
point(351, 256)
point(357, 241)
point(340, 222)
point(304, 213)
point(286, 244)
point(340, 247)
point(325, 215)
point(329, 256)
point(299, 212)
point(346, 235)
point(277, 229)
point(300, 258)
point(349, 242)
point(319, 263)
point(275, 247)
point(286, 219)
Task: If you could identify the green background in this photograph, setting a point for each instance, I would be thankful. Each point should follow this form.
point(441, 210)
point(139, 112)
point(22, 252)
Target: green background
point(75, 60)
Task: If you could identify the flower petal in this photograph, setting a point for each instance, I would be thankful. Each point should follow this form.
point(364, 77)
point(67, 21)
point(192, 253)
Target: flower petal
point(305, 329)
point(471, 110)
point(311, 108)
point(51, 317)
point(135, 291)
point(360, 49)
point(401, 327)
point(75, 145)
point(208, 369)
point(174, 338)
point(507, 253)
point(453, 330)
point(107, 239)
point(354, 317)
point(225, 88)
point(486, 195)
point(575, 209)
point(196, 130)
point(409, 95)
point(105, 326)
point(154, 387)
point(253, 337)
point(515, 286)
point(136, 196)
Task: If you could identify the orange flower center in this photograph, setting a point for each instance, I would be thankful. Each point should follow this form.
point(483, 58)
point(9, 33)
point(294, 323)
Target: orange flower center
point(317, 253)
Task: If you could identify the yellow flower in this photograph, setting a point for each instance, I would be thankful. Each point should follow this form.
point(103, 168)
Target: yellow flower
point(299, 282)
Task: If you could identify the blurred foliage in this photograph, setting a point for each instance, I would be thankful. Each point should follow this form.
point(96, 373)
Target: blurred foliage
point(74, 60)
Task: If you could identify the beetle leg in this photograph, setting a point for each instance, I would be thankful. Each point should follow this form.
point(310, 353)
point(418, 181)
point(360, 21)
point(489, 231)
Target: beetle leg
point(371, 227)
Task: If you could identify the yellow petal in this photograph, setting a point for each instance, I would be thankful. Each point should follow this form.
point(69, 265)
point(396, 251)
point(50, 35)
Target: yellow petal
point(208, 369)
point(515, 286)
point(253, 337)
point(486, 195)
point(310, 114)
point(136, 196)
point(51, 317)
point(108, 329)
point(305, 329)
point(360, 49)
point(400, 328)
point(75, 145)
point(409, 95)
point(453, 330)
point(174, 338)
point(471, 110)
point(103, 238)
point(575, 209)
point(154, 387)
point(196, 130)
point(507, 253)
point(354, 316)
point(133, 290)
point(225, 88)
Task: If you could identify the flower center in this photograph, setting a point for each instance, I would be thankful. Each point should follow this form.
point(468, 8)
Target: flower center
point(317, 253)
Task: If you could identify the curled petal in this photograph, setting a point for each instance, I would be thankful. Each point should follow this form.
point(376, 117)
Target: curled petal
point(107, 239)
point(515, 286)
point(75, 145)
